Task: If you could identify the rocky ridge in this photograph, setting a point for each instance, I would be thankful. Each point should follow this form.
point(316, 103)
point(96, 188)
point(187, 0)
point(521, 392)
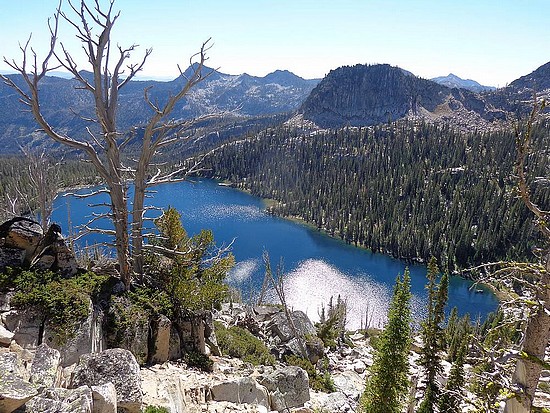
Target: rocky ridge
point(365, 95)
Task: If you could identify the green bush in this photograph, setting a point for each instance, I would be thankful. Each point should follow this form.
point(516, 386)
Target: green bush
point(239, 342)
point(63, 302)
point(318, 380)
point(156, 409)
point(198, 360)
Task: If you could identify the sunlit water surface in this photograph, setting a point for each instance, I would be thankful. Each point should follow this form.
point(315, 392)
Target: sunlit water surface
point(316, 267)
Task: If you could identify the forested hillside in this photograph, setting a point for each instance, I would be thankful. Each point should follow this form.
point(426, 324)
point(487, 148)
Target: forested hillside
point(411, 189)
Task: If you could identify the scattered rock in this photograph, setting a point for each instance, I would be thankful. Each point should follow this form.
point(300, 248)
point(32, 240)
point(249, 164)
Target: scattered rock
point(104, 398)
point(45, 366)
point(58, 400)
point(334, 402)
point(242, 390)
point(288, 386)
point(15, 390)
point(349, 383)
point(6, 336)
point(117, 366)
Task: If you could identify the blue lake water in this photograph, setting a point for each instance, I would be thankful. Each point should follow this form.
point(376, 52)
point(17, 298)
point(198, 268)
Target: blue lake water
point(316, 266)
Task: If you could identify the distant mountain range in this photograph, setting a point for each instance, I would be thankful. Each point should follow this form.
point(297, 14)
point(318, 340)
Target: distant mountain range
point(363, 95)
point(357, 95)
point(453, 81)
point(242, 96)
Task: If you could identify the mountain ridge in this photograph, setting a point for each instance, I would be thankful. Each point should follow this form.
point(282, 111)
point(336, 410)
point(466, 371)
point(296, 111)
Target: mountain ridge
point(364, 95)
point(454, 81)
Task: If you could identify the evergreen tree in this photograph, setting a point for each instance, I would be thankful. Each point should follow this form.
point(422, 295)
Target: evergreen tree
point(388, 382)
point(451, 398)
point(433, 336)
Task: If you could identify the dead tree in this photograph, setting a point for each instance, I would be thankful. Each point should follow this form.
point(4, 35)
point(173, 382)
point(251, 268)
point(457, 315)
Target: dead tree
point(537, 333)
point(104, 146)
point(43, 175)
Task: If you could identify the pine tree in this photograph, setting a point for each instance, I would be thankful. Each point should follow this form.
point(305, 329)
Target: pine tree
point(433, 336)
point(451, 398)
point(388, 382)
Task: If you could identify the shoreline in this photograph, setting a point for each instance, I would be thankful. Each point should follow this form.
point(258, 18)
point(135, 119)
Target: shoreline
point(500, 295)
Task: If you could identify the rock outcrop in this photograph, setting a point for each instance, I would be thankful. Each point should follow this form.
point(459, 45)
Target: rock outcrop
point(23, 244)
point(289, 387)
point(116, 366)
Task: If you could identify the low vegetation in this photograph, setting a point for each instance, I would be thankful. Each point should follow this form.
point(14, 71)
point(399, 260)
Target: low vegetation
point(61, 302)
point(239, 342)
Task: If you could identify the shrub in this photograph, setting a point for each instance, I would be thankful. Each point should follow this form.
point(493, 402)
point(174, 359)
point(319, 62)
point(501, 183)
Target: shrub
point(198, 360)
point(156, 409)
point(63, 302)
point(239, 342)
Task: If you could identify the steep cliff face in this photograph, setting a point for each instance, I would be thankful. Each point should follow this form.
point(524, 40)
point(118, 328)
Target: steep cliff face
point(368, 95)
point(363, 95)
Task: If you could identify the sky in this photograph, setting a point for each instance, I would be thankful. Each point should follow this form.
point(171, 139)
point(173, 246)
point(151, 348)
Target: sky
point(491, 41)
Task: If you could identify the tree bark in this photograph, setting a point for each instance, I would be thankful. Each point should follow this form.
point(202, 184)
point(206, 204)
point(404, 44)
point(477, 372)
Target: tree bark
point(529, 365)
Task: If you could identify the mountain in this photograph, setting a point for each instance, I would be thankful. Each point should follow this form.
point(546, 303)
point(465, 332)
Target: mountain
point(538, 80)
point(242, 96)
point(453, 81)
point(363, 95)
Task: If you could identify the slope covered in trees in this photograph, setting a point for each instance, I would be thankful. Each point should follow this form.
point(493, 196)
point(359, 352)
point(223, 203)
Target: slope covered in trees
point(411, 189)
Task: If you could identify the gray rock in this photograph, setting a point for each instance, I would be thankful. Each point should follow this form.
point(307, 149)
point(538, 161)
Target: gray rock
point(333, 402)
point(11, 257)
point(172, 387)
point(58, 400)
point(359, 366)
point(174, 346)
point(5, 300)
point(349, 383)
point(104, 398)
point(45, 366)
point(242, 390)
point(26, 326)
point(117, 366)
point(6, 336)
point(136, 332)
point(161, 349)
point(22, 233)
point(54, 253)
point(86, 338)
point(280, 327)
point(14, 389)
point(288, 386)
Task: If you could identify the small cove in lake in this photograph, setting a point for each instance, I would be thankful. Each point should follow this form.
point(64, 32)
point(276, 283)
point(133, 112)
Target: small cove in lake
point(316, 266)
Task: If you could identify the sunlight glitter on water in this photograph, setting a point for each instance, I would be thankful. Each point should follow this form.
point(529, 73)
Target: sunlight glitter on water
point(242, 271)
point(314, 282)
point(233, 212)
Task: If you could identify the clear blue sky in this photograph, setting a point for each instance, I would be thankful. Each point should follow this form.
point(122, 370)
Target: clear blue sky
point(491, 41)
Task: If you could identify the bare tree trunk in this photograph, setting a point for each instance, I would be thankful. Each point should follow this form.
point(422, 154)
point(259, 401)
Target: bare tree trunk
point(108, 63)
point(537, 334)
point(529, 365)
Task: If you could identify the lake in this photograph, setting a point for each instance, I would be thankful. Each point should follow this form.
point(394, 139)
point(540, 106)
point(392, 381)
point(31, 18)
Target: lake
point(316, 266)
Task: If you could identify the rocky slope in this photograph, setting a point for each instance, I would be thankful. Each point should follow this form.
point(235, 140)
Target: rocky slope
point(364, 95)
